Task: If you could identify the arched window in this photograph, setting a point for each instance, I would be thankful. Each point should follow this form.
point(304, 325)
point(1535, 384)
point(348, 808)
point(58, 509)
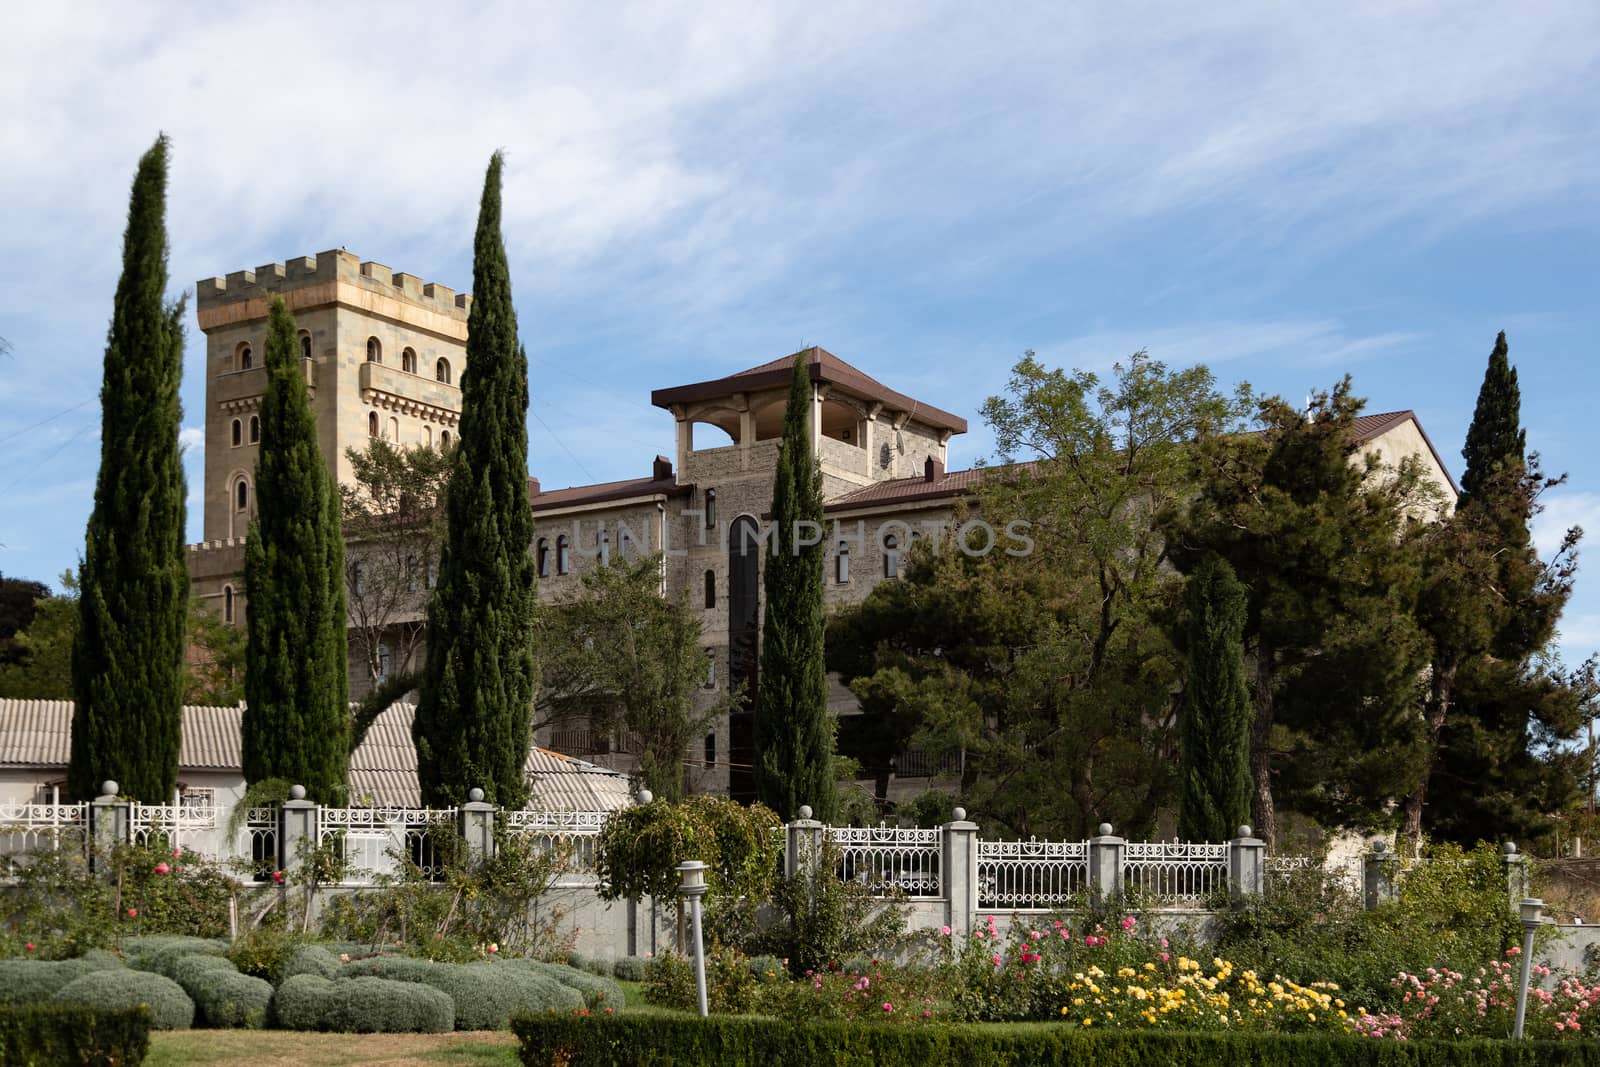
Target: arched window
point(238, 433)
point(255, 429)
point(374, 350)
point(241, 495)
point(711, 589)
point(891, 556)
point(541, 557)
point(441, 370)
point(383, 661)
point(444, 438)
point(563, 554)
point(711, 509)
point(841, 566)
point(244, 358)
point(711, 668)
point(372, 424)
point(408, 361)
point(711, 749)
point(394, 429)
point(227, 604)
point(305, 345)
point(427, 437)
point(604, 539)
point(358, 578)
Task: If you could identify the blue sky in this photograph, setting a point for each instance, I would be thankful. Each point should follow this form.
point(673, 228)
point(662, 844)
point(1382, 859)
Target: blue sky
point(925, 190)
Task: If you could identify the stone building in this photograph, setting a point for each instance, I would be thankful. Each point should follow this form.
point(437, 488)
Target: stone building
point(382, 354)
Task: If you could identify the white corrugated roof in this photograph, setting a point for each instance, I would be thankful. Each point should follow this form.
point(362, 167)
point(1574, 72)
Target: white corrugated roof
point(38, 733)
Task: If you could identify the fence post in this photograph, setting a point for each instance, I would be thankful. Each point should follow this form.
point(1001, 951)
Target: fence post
point(1107, 853)
point(1247, 865)
point(297, 830)
point(958, 875)
point(475, 821)
point(108, 826)
point(803, 843)
point(1516, 874)
point(1377, 876)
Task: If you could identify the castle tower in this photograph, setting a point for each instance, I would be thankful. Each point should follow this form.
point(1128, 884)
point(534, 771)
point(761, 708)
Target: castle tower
point(383, 355)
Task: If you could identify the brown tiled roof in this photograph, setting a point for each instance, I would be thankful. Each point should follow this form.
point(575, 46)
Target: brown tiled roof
point(37, 733)
point(545, 500)
point(957, 483)
point(823, 366)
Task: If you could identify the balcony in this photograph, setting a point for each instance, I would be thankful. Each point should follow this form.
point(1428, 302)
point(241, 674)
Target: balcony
point(389, 386)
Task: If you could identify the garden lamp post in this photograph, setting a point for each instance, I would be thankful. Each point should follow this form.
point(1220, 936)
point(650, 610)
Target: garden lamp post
point(692, 884)
point(1531, 909)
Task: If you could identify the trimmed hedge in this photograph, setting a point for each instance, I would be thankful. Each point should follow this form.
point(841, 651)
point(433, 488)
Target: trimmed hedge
point(158, 952)
point(310, 959)
point(597, 992)
point(629, 968)
point(36, 981)
point(170, 1007)
point(361, 1005)
point(594, 965)
point(745, 1041)
point(486, 995)
point(47, 1034)
point(230, 1000)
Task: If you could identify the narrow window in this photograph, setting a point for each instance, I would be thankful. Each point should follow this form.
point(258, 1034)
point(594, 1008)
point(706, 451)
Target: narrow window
point(430, 574)
point(605, 547)
point(711, 750)
point(394, 429)
point(246, 358)
point(358, 578)
point(255, 429)
point(305, 345)
point(374, 351)
point(441, 370)
point(372, 424)
point(711, 509)
point(241, 494)
point(891, 556)
point(563, 554)
point(711, 589)
point(841, 566)
point(427, 437)
point(711, 668)
point(408, 361)
point(624, 542)
point(444, 439)
point(227, 604)
point(383, 661)
point(238, 433)
point(411, 574)
point(541, 555)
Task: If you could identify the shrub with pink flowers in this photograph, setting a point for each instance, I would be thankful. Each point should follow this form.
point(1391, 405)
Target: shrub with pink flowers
point(1439, 1002)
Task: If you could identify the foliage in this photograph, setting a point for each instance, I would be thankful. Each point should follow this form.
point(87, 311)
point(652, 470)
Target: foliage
point(726, 1041)
point(60, 1033)
point(296, 717)
point(485, 995)
point(127, 660)
point(1214, 793)
point(310, 959)
point(393, 511)
point(829, 918)
point(597, 991)
point(30, 981)
point(616, 654)
point(267, 952)
point(223, 998)
point(19, 604)
point(793, 726)
point(1440, 1002)
point(110, 990)
point(213, 670)
point(38, 664)
point(472, 723)
point(629, 968)
point(1495, 436)
point(361, 1006)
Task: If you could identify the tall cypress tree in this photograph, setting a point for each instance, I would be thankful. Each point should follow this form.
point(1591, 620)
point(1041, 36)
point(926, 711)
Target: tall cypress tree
point(472, 727)
point(297, 716)
point(1215, 785)
point(1496, 435)
point(127, 659)
point(793, 729)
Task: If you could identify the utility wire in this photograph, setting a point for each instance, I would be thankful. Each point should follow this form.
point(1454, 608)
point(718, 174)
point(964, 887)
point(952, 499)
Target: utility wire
point(37, 464)
point(45, 422)
point(562, 443)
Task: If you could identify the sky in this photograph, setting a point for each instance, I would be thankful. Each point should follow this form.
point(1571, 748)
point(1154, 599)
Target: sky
point(928, 191)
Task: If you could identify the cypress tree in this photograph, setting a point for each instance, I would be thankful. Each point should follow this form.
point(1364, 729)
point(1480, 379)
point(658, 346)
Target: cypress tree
point(127, 660)
point(793, 728)
point(1496, 435)
point(297, 717)
point(472, 727)
point(1215, 782)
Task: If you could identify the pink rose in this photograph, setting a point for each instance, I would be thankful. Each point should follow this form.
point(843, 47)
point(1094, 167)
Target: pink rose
point(945, 930)
point(30, 946)
point(133, 913)
point(887, 1006)
point(162, 868)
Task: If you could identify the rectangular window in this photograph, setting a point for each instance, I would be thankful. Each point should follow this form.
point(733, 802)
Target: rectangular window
point(711, 668)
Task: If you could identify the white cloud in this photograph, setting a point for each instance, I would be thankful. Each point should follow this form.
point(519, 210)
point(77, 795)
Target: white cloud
point(1562, 511)
point(1311, 343)
point(192, 441)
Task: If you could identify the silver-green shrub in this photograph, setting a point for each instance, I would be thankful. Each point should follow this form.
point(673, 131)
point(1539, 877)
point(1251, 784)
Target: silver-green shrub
point(170, 1007)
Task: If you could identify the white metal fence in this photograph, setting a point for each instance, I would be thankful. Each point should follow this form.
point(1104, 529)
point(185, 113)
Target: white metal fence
point(1031, 875)
point(909, 861)
point(1174, 874)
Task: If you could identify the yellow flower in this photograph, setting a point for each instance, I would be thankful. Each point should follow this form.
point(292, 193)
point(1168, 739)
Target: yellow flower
point(1087, 1021)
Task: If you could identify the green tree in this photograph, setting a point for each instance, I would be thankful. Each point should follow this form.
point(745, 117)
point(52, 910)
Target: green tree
point(1214, 795)
point(1496, 436)
point(127, 661)
point(793, 727)
point(472, 723)
point(43, 670)
point(214, 671)
point(19, 600)
point(297, 720)
point(618, 657)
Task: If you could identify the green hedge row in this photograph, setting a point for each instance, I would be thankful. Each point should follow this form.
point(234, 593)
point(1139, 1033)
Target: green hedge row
point(36, 981)
point(361, 1005)
point(485, 995)
point(45, 1035)
point(646, 1041)
point(170, 1007)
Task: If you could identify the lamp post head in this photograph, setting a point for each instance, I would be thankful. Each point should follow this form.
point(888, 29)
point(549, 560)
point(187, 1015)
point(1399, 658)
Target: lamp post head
point(692, 878)
point(1532, 911)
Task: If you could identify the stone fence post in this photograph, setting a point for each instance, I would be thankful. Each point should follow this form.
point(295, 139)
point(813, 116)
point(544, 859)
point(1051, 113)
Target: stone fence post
point(297, 830)
point(1247, 865)
point(1377, 876)
point(108, 826)
point(802, 844)
point(475, 822)
point(1106, 853)
point(1516, 874)
point(958, 872)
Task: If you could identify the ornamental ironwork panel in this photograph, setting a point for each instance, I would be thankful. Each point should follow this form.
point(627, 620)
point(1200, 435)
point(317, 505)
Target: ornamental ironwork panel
point(889, 858)
point(27, 829)
point(1174, 873)
point(1031, 875)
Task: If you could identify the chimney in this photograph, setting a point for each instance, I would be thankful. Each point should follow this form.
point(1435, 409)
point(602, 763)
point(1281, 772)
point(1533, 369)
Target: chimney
point(533, 488)
point(662, 471)
point(933, 470)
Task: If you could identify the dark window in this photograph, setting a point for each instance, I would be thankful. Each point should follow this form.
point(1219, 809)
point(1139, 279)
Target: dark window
point(411, 574)
point(408, 361)
point(227, 604)
point(374, 351)
point(444, 438)
point(372, 424)
point(711, 589)
point(563, 554)
point(605, 546)
point(247, 358)
point(255, 429)
point(238, 433)
point(842, 566)
point(358, 578)
point(711, 668)
point(541, 555)
point(242, 494)
point(305, 346)
point(711, 750)
point(441, 371)
point(711, 509)
point(891, 556)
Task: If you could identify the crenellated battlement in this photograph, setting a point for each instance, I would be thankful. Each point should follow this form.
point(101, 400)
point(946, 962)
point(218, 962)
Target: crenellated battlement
point(216, 544)
point(331, 268)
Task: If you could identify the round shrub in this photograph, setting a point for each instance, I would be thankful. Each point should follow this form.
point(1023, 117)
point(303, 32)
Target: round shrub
point(485, 995)
point(764, 967)
point(32, 981)
point(226, 999)
point(595, 965)
point(161, 955)
point(580, 960)
point(310, 959)
point(597, 992)
point(630, 968)
point(361, 1005)
point(170, 1007)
